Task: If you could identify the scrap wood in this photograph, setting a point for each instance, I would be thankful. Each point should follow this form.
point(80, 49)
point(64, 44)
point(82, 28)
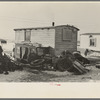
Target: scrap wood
point(68, 63)
point(82, 59)
point(98, 65)
point(79, 67)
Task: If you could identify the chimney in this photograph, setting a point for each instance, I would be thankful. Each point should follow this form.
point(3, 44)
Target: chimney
point(53, 23)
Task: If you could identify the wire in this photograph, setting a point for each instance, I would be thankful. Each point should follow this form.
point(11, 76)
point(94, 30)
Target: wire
point(24, 19)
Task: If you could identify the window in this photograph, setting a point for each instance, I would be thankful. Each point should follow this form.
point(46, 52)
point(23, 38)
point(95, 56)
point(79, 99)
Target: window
point(18, 52)
point(27, 35)
point(93, 42)
point(67, 34)
point(26, 53)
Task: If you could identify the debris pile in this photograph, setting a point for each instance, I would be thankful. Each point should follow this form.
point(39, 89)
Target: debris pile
point(43, 60)
point(81, 58)
point(66, 62)
point(98, 65)
point(6, 65)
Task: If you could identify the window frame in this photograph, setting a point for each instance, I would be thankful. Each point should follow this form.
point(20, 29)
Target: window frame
point(63, 39)
point(94, 39)
point(25, 35)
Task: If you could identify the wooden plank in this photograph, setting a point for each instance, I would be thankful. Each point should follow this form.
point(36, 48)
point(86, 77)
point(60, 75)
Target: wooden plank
point(79, 66)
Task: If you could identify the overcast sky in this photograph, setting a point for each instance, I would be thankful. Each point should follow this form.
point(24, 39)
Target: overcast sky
point(85, 16)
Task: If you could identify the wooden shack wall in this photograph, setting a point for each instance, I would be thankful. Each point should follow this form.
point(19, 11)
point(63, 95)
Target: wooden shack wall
point(50, 37)
point(85, 42)
point(19, 36)
point(61, 45)
point(46, 37)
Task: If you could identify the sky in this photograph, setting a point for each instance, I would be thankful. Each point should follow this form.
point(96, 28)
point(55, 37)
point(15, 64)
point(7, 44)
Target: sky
point(83, 15)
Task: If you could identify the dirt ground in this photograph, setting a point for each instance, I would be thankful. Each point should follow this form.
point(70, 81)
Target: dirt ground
point(32, 75)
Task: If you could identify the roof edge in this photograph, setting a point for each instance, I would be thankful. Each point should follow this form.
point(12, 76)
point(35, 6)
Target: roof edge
point(49, 27)
point(90, 34)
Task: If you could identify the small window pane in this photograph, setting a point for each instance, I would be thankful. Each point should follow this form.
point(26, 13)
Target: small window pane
point(67, 34)
point(93, 42)
point(27, 35)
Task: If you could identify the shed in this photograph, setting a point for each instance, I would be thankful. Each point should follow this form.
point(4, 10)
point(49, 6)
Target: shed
point(90, 41)
point(3, 41)
point(60, 38)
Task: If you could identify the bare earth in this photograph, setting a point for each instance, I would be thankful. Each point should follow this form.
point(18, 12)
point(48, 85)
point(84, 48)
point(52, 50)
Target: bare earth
point(31, 75)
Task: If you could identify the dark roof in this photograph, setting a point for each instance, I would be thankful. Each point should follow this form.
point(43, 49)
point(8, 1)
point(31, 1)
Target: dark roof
point(90, 34)
point(3, 41)
point(50, 27)
point(35, 28)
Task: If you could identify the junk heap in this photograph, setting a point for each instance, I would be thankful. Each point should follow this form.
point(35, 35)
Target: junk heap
point(7, 64)
point(71, 62)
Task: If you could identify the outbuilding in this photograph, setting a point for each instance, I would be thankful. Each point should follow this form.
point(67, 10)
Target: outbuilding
point(60, 38)
point(90, 41)
point(2, 41)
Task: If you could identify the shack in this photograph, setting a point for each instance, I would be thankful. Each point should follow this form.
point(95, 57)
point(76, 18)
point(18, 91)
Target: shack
point(2, 41)
point(90, 41)
point(60, 38)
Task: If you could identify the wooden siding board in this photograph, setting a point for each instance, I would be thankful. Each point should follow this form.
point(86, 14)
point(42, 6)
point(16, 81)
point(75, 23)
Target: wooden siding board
point(61, 45)
point(45, 37)
point(19, 36)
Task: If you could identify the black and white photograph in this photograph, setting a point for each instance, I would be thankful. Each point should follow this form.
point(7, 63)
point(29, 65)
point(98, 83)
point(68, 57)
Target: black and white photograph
point(49, 42)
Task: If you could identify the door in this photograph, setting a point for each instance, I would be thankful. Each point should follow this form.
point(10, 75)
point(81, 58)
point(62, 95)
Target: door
point(27, 35)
